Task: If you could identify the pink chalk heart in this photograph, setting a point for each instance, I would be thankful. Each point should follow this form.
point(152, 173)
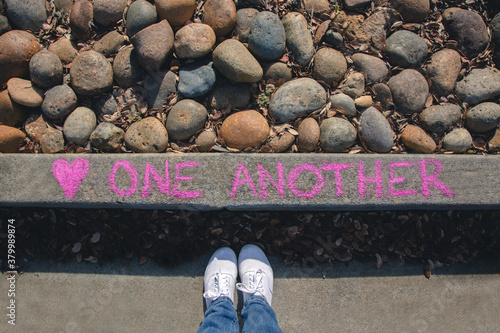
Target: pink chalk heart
point(71, 175)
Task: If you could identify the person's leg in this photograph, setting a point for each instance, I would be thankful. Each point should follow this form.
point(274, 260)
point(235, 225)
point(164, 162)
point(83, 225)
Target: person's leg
point(256, 285)
point(219, 285)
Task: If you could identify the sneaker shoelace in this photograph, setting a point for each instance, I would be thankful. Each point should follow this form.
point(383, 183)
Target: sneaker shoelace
point(220, 286)
point(255, 283)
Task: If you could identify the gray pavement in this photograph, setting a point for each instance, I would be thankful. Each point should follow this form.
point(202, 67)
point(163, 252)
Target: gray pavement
point(250, 181)
point(71, 297)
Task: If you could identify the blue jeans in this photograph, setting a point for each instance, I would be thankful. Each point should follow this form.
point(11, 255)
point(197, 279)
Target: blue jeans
point(257, 315)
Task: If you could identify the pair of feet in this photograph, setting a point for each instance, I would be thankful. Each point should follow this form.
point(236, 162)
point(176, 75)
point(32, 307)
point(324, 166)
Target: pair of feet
point(256, 274)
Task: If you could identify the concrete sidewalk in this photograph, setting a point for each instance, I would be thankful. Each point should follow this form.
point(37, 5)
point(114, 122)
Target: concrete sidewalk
point(352, 298)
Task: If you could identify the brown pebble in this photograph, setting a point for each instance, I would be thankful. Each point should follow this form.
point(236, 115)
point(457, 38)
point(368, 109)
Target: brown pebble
point(35, 126)
point(154, 44)
point(363, 102)
point(10, 139)
point(244, 129)
point(309, 134)
point(22, 92)
point(16, 49)
point(416, 139)
point(282, 142)
point(11, 113)
point(52, 141)
point(109, 43)
point(176, 12)
point(65, 49)
point(82, 15)
point(91, 74)
point(205, 140)
point(220, 15)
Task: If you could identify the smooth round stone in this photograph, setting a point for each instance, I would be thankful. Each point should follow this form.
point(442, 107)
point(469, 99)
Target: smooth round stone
point(416, 139)
point(495, 28)
point(494, 143)
point(244, 129)
point(52, 141)
point(46, 69)
point(309, 134)
point(79, 125)
point(176, 12)
point(374, 69)
point(220, 15)
point(409, 91)
point(65, 49)
point(81, 18)
point(91, 74)
point(316, 7)
point(458, 140)
point(59, 101)
point(384, 95)
point(4, 24)
point(108, 12)
point(107, 137)
point(11, 113)
point(244, 19)
point(106, 105)
point(298, 38)
point(334, 38)
point(35, 126)
point(110, 43)
point(64, 5)
point(21, 46)
point(193, 41)
point(330, 66)
point(10, 139)
point(468, 29)
point(406, 49)
point(412, 10)
point(363, 102)
point(158, 87)
point(205, 141)
point(196, 79)
point(27, 15)
point(141, 14)
point(440, 118)
point(235, 62)
point(147, 136)
point(281, 142)
point(154, 44)
point(337, 135)
point(126, 67)
point(295, 98)
point(483, 117)
point(22, 92)
point(443, 70)
point(354, 86)
point(267, 40)
point(226, 93)
point(343, 103)
point(377, 132)
point(277, 71)
point(480, 85)
point(185, 119)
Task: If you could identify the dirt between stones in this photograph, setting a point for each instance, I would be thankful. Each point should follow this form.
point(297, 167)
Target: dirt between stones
point(396, 64)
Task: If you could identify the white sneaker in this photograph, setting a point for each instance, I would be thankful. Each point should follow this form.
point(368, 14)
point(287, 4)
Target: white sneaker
point(220, 275)
point(256, 274)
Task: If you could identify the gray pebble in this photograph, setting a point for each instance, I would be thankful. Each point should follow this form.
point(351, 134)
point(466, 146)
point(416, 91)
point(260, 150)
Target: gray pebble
point(384, 95)
point(377, 132)
point(374, 69)
point(458, 140)
point(158, 87)
point(52, 141)
point(277, 71)
point(91, 74)
point(205, 140)
point(141, 14)
point(226, 93)
point(440, 118)
point(329, 66)
point(343, 103)
point(185, 119)
point(334, 38)
point(233, 60)
point(337, 135)
point(354, 86)
point(107, 137)
point(483, 117)
point(126, 67)
point(79, 125)
point(110, 43)
point(309, 135)
point(147, 136)
point(46, 69)
point(59, 101)
point(106, 105)
point(409, 91)
point(244, 19)
point(27, 15)
point(406, 49)
point(196, 79)
point(267, 40)
point(4, 25)
point(443, 71)
point(108, 12)
point(298, 38)
point(285, 106)
point(480, 85)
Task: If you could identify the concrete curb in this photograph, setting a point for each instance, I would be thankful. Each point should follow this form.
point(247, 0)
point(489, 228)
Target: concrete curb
point(250, 181)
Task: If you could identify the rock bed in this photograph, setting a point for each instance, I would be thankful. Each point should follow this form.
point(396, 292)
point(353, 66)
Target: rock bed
point(284, 76)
